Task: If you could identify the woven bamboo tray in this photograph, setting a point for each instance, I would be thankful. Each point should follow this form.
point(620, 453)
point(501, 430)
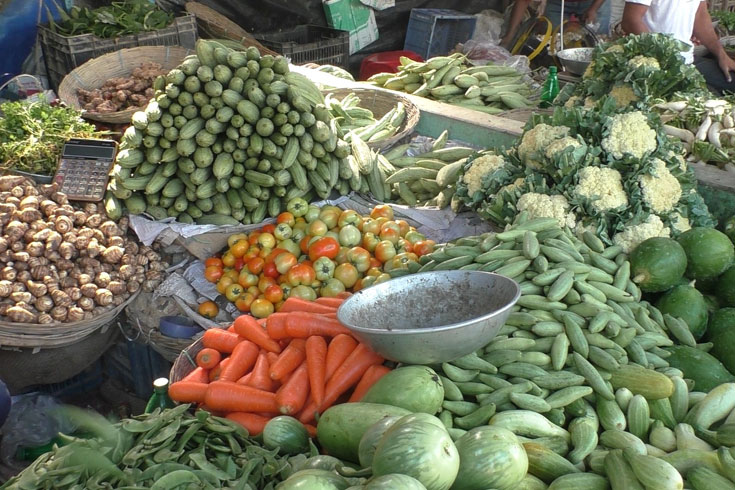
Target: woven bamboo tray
point(95, 72)
point(380, 102)
point(185, 363)
point(216, 25)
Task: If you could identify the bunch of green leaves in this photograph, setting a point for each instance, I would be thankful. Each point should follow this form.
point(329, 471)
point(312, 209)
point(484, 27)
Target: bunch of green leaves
point(32, 135)
point(725, 18)
point(117, 19)
point(561, 174)
point(610, 67)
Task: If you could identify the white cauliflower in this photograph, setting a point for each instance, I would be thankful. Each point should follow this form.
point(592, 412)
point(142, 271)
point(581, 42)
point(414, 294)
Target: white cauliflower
point(661, 190)
point(544, 206)
point(604, 186)
point(561, 144)
point(480, 167)
point(615, 48)
point(589, 103)
point(632, 236)
point(623, 95)
point(513, 185)
point(631, 134)
point(573, 100)
point(680, 223)
point(536, 140)
point(641, 61)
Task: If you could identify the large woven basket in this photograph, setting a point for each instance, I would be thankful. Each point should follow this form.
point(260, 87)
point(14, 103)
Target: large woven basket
point(380, 102)
point(95, 72)
point(185, 363)
point(42, 354)
point(216, 25)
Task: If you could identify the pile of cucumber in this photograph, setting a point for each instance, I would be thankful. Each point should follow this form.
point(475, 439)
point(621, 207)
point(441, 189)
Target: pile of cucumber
point(229, 138)
point(491, 88)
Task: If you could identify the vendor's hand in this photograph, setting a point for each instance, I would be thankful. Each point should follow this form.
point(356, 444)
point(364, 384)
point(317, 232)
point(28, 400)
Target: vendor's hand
point(590, 16)
point(696, 41)
point(727, 65)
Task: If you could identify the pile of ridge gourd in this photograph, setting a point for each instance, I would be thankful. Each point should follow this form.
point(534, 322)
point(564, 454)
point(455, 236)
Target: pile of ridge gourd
point(229, 138)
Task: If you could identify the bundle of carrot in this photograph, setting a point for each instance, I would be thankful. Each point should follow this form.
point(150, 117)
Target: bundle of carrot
point(298, 362)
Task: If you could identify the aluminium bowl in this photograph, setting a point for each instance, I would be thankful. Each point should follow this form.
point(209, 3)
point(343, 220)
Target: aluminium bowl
point(575, 60)
point(430, 317)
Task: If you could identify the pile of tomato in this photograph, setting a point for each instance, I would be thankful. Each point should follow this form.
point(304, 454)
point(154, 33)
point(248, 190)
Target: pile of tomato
point(311, 252)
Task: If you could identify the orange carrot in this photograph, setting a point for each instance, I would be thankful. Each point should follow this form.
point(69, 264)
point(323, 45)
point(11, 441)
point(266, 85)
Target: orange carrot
point(272, 357)
point(260, 375)
point(329, 315)
point(262, 321)
point(311, 430)
point(241, 361)
point(297, 304)
point(188, 391)
point(289, 360)
point(344, 378)
point(371, 376)
point(221, 340)
point(344, 295)
point(248, 327)
point(216, 371)
point(232, 397)
point(253, 423)
point(316, 362)
point(339, 348)
point(245, 380)
point(198, 375)
point(207, 358)
point(276, 326)
point(292, 395)
point(331, 302)
point(302, 325)
point(231, 328)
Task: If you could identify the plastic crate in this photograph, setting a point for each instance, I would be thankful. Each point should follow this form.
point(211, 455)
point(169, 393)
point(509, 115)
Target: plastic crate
point(64, 53)
point(435, 32)
point(310, 44)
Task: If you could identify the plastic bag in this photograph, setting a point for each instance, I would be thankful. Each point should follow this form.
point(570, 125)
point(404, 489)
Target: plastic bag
point(484, 52)
point(488, 27)
point(33, 421)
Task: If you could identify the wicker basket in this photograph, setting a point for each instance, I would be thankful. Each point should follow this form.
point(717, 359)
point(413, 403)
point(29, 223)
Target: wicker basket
point(95, 72)
point(380, 102)
point(216, 25)
point(184, 364)
point(33, 354)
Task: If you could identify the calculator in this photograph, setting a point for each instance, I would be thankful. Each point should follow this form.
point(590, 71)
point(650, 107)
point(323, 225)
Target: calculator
point(84, 168)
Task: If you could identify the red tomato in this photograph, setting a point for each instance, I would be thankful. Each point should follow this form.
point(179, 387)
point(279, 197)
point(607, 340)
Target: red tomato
point(382, 210)
point(243, 302)
point(347, 274)
point(301, 274)
point(267, 240)
point(286, 217)
point(370, 241)
point(228, 259)
point(268, 228)
point(423, 247)
point(269, 270)
point(233, 291)
point(213, 273)
point(264, 282)
point(403, 226)
point(261, 308)
point(385, 251)
point(247, 279)
point(349, 217)
point(213, 262)
point(239, 263)
point(284, 261)
point(324, 247)
point(255, 265)
point(371, 226)
point(317, 228)
point(360, 258)
point(240, 248)
point(273, 293)
point(304, 244)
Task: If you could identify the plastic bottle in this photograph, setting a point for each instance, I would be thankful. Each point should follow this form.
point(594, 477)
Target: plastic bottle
point(160, 398)
point(551, 88)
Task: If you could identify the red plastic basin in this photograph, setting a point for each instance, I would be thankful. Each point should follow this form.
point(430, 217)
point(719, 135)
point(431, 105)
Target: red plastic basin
point(385, 62)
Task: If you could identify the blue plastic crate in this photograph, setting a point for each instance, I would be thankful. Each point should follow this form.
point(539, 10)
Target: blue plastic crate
point(435, 32)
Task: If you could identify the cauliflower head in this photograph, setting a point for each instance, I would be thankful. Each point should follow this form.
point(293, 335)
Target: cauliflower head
point(633, 235)
point(536, 140)
point(661, 190)
point(573, 101)
point(615, 48)
point(630, 134)
point(589, 72)
point(641, 61)
point(623, 95)
point(603, 186)
point(561, 144)
point(480, 167)
point(679, 223)
point(513, 186)
point(544, 206)
point(589, 103)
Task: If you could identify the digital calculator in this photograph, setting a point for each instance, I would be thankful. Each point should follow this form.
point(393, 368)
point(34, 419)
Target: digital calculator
point(84, 168)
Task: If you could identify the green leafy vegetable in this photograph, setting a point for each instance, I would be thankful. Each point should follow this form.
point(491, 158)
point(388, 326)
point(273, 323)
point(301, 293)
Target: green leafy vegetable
point(116, 19)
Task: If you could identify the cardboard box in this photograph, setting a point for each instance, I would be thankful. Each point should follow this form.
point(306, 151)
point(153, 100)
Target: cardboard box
point(355, 17)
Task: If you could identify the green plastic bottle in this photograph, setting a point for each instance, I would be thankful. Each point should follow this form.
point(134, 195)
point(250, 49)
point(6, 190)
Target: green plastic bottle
point(160, 398)
point(551, 88)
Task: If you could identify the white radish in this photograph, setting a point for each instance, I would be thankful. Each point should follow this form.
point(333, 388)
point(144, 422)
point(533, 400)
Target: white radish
point(728, 121)
point(676, 106)
point(711, 104)
point(728, 131)
point(683, 134)
point(717, 111)
point(702, 131)
point(713, 134)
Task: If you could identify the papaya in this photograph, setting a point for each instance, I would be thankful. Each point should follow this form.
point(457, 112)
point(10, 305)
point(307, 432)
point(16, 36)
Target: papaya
point(709, 252)
point(703, 368)
point(415, 388)
point(657, 264)
point(726, 288)
point(721, 321)
point(685, 302)
point(341, 427)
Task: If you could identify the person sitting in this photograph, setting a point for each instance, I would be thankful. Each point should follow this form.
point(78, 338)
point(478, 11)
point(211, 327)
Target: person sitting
point(589, 11)
point(689, 22)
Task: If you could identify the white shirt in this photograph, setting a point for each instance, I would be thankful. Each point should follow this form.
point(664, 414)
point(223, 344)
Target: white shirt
point(675, 17)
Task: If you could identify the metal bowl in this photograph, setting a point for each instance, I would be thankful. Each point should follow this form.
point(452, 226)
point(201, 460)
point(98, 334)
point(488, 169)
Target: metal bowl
point(430, 317)
point(575, 60)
